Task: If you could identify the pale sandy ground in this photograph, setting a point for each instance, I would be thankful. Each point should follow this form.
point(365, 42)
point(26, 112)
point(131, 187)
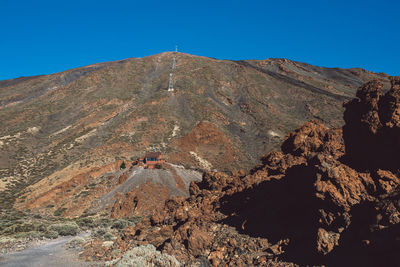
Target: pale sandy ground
point(51, 253)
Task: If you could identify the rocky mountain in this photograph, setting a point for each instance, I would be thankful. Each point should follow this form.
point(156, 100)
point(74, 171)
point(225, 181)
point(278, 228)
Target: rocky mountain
point(80, 124)
point(329, 198)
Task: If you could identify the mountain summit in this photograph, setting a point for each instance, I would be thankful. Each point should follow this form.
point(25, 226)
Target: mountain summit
point(222, 115)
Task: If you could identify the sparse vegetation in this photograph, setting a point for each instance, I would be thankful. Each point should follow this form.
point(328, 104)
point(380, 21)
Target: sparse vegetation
point(100, 232)
point(68, 228)
point(120, 224)
point(108, 236)
point(30, 234)
point(23, 226)
point(59, 211)
point(19, 228)
point(86, 222)
point(75, 242)
point(105, 222)
point(134, 219)
point(51, 234)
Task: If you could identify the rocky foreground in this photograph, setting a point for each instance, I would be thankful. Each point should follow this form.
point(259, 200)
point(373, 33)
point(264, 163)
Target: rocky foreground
point(331, 197)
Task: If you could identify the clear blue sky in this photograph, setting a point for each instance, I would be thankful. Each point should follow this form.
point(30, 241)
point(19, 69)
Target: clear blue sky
point(43, 37)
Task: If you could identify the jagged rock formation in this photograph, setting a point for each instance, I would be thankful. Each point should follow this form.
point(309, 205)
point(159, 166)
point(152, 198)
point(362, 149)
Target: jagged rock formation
point(330, 197)
point(377, 116)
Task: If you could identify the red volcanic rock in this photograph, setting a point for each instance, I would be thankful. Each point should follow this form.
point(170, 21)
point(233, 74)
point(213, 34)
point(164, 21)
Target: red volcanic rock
point(313, 137)
point(369, 96)
point(372, 130)
point(330, 197)
point(391, 105)
point(327, 241)
point(386, 181)
point(340, 184)
point(199, 240)
point(143, 200)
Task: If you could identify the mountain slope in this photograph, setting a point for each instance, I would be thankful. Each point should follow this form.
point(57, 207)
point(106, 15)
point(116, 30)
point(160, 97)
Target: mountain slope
point(223, 115)
point(331, 197)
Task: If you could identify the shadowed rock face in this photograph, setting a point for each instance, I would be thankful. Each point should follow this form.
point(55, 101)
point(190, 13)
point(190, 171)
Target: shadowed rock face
point(372, 130)
point(330, 197)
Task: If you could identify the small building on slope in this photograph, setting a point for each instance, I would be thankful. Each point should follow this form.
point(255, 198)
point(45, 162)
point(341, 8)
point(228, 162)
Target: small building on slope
point(151, 160)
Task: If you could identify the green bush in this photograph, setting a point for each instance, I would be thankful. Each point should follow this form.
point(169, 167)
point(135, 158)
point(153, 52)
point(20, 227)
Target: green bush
point(70, 228)
point(30, 234)
point(59, 211)
point(104, 222)
point(100, 232)
point(108, 237)
point(86, 222)
point(19, 228)
point(40, 227)
point(5, 224)
point(86, 213)
point(134, 219)
point(120, 224)
point(51, 234)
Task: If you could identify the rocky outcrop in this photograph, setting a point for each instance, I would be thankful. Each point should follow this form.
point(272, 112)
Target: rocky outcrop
point(372, 130)
point(330, 197)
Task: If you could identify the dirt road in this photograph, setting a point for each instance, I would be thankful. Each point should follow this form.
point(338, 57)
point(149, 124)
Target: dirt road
point(51, 253)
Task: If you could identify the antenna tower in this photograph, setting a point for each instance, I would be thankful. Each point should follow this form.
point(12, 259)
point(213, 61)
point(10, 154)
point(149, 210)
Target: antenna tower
point(171, 80)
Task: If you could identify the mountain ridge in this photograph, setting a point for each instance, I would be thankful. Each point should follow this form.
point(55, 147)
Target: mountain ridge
point(222, 112)
point(233, 60)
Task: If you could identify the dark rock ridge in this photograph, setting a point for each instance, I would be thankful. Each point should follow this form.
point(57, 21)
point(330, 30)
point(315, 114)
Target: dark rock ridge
point(331, 197)
point(372, 130)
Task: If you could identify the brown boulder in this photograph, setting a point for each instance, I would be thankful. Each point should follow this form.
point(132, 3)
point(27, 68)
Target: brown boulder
point(327, 241)
point(372, 129)
point(199, 241)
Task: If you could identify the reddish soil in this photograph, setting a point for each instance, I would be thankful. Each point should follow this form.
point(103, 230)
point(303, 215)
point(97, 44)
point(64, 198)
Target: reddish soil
point(143, 200)
point(72, 193)
point(207, 141)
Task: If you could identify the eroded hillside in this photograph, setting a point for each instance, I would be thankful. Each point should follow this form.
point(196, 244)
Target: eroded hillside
point(223, 115)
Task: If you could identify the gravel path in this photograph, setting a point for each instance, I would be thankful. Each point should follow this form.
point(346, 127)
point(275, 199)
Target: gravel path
point(52, 253)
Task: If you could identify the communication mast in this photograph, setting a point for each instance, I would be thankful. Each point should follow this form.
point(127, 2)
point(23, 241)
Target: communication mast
point(171, 83)
point(174, 63)
point(171, 79)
